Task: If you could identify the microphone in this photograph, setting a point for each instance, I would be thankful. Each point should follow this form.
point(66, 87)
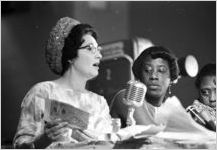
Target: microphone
point(195, 114)
point(134, 97)
point(201, 116)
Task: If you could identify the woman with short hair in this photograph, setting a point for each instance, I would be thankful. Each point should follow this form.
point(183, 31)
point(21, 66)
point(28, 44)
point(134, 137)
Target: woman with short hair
point(72, 52)
point(158, 69)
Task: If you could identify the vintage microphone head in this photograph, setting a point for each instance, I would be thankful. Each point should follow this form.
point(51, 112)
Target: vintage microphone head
point(135, 93)
point(134, 97)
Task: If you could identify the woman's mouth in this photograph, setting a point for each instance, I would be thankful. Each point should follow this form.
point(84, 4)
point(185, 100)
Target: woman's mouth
point(153, 86)
point(96, 65)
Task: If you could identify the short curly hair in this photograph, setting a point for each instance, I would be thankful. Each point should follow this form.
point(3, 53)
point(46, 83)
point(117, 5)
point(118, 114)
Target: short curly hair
point(207, 70)
point(156, 52)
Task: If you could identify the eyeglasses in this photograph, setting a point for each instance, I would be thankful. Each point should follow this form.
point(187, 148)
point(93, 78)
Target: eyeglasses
point(92, 48)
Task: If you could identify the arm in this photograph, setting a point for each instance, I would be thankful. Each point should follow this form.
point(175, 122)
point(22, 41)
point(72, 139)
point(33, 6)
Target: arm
point(145, 114)
point(31, 124)
point(104, 119)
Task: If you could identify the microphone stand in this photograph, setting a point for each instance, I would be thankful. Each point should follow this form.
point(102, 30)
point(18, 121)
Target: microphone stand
point(130, 120)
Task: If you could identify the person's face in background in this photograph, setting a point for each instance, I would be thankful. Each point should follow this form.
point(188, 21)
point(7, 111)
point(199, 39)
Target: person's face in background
point(89, 56)
point(207, 93)
point(156, 76)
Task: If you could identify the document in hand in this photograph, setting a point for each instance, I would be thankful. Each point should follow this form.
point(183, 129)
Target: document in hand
point(66, 112)
point(179, 124)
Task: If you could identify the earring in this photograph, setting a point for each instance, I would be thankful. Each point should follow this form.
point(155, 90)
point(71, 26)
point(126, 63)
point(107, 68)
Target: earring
point(70, 61)
point(169, 89)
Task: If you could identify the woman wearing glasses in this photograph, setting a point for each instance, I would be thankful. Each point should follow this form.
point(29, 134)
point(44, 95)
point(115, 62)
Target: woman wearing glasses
point(73, 53)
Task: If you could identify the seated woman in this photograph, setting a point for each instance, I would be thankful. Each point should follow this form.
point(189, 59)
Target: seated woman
point(73, 53)
point(157, 68)
point(206, 86)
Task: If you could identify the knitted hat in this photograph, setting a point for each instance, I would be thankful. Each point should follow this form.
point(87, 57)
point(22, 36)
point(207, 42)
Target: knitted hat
point(55, 43)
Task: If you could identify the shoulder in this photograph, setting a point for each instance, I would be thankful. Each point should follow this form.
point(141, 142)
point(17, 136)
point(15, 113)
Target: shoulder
point(38, 91)
point(101, 99)
point(173, 100)
point(42, 87)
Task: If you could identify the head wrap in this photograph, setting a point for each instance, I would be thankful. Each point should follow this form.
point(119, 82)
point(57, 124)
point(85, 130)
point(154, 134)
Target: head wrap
point(55, 43)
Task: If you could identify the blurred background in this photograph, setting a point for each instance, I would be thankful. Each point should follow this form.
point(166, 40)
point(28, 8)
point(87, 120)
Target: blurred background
point(187, 27)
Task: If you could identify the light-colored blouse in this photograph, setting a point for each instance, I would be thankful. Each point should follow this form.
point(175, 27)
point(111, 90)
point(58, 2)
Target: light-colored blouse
point(31, 123)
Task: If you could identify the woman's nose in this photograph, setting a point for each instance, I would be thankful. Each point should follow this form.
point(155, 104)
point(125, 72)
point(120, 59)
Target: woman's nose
point(213, 96)
point(154, 75)
point(99, 55)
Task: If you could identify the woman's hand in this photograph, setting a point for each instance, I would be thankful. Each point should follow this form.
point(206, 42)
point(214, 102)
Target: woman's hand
point(57, 130)
point(83, 135)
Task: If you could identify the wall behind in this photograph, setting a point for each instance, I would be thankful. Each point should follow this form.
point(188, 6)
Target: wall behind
point(109, 18)
point(184, 27)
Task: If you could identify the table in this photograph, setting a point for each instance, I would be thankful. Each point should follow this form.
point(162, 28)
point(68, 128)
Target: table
point(140, 143)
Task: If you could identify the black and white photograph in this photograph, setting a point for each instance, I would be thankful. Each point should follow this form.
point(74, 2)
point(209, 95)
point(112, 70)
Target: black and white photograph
point(108, 74)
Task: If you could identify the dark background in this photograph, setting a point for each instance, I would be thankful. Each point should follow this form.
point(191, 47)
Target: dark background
point(184, 27)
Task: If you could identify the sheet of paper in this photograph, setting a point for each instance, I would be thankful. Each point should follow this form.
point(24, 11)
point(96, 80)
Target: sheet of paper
point(75, 116)
point(179, 124)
